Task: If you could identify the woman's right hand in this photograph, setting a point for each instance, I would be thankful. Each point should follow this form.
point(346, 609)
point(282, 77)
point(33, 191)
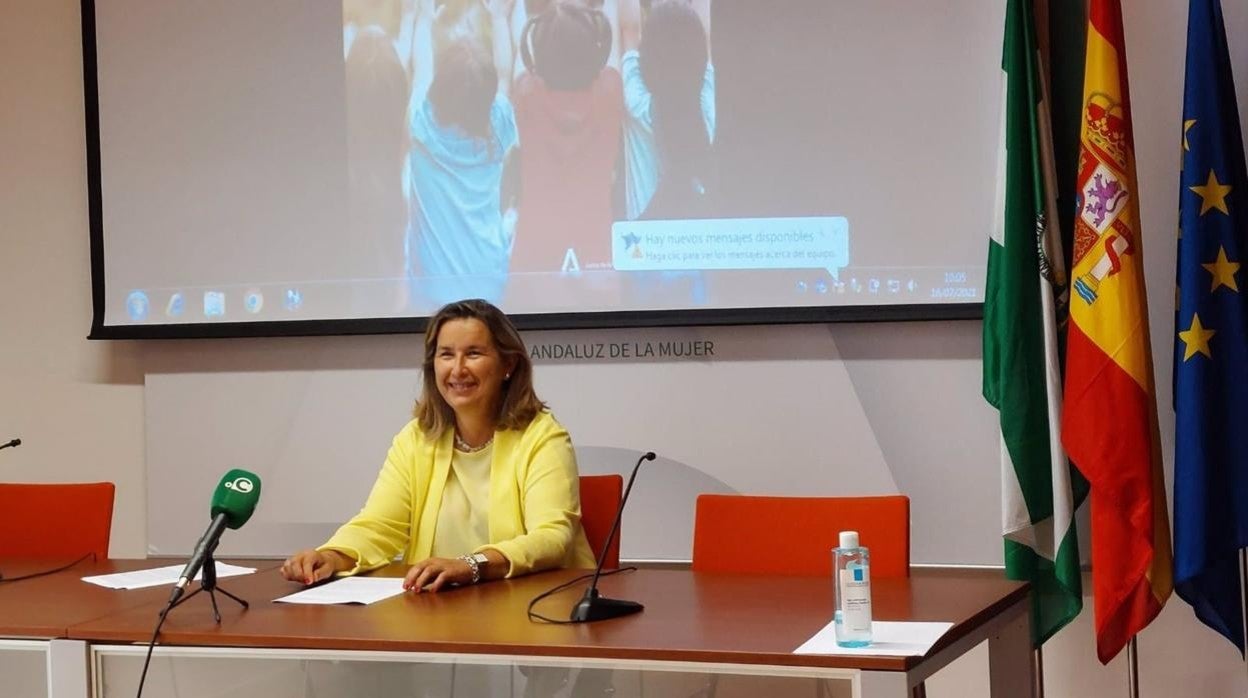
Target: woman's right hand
point(312, 566)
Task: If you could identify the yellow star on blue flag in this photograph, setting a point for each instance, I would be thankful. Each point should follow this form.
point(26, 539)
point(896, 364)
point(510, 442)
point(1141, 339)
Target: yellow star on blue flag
point(1212, 194)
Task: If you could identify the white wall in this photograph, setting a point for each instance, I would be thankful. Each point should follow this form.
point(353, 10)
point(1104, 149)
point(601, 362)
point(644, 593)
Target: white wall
point(781, 410)
point(78, 405)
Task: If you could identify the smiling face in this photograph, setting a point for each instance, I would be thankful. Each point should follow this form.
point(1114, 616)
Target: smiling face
point(469, 369)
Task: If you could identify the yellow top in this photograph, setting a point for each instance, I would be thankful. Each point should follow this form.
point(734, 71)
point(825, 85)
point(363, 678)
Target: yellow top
point(463, 520)
point(534, 516)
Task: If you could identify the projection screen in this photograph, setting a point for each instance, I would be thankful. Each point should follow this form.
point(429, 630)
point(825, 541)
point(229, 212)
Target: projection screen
point(286, 167)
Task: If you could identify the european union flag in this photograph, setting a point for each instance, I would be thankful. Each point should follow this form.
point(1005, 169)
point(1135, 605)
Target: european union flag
point(1211, 347)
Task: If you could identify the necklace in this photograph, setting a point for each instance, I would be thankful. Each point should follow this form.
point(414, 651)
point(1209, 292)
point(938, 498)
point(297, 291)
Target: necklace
point(465, 447)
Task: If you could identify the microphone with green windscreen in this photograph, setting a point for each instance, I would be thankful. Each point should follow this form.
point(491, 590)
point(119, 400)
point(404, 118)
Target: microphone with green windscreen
point(236, 497)
point(233, 502)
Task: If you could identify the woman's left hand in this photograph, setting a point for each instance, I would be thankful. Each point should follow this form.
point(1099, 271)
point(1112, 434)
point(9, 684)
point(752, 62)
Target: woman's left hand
point(433, 573)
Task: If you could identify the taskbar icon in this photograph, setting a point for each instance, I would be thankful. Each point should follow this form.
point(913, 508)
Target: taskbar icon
point(293, 299)
point(214, 304)
point(176, 305)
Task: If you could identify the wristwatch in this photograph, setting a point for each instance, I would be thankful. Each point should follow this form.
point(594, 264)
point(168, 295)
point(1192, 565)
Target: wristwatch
point(475, 562)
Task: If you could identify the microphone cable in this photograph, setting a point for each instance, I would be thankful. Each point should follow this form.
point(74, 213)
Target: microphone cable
point(151, 645)
point(539, 618)
point(45, 573)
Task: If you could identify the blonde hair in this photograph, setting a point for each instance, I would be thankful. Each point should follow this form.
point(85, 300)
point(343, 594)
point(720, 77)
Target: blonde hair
point(520, 403)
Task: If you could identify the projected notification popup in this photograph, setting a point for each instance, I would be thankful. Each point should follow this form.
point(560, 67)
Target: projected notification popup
point(732, 243)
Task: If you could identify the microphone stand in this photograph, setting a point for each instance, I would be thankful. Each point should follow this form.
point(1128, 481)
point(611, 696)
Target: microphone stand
point(10, 444)
point(208, 583)
point(592, 606)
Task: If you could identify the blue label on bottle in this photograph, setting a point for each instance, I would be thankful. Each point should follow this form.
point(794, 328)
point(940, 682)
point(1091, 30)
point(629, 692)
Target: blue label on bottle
point(858, 574)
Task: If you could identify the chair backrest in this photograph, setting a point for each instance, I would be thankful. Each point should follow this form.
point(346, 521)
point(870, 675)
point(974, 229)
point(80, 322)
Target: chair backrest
point(44, 521)
point(795, 535)
point(600, 499)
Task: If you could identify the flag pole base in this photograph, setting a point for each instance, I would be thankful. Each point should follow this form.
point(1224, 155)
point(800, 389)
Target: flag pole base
point(1038, 656)
point(1133, 669)
point(1243, 588)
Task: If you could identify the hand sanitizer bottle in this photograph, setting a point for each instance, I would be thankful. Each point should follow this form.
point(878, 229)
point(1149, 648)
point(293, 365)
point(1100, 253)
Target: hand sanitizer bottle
point(853, 592)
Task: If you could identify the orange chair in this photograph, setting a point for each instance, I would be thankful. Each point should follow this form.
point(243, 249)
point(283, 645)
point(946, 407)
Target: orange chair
point(795, 535)
point(600, 499)
point(45, 521)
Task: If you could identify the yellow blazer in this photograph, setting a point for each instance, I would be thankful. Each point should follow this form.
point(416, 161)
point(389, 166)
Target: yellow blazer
point(535, 507)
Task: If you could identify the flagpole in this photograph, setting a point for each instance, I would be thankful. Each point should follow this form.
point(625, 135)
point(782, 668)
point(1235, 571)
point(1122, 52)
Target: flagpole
point(1038, 654)
point(1243, 588)
point(1133, 670)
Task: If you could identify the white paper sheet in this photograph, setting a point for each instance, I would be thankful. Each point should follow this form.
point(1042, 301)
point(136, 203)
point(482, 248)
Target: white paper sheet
point(159, 576)
point(361, 590)
point(890, 638)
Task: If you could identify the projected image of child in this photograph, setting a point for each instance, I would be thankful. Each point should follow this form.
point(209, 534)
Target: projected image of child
point(669, 97)
point(377, 87)
point(569, 105)
point(461, 127)
point(613, 118)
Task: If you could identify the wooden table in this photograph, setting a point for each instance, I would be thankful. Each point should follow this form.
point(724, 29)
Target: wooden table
point(717, 621)
point(44, 607)
point(38, 612)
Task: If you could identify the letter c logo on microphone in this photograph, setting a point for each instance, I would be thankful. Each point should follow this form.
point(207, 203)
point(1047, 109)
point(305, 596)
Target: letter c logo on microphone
point(240, 484)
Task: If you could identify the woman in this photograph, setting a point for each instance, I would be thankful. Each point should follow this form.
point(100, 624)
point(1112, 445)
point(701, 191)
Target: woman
point(482, 484)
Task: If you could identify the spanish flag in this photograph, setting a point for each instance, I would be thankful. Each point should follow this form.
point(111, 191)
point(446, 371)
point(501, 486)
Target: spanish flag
point(1109, 416)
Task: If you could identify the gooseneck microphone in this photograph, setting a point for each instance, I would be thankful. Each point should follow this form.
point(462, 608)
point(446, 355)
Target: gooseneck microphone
point(232, 505)
point(11, 444)
point(593, 607)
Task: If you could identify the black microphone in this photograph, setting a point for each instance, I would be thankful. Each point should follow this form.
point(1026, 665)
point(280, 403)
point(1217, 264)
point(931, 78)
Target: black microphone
point(593, 607)
point(232, 505)
point(11, 444)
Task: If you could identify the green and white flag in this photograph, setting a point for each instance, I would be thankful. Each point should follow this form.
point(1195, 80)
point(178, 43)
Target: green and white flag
point(1025, 300)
